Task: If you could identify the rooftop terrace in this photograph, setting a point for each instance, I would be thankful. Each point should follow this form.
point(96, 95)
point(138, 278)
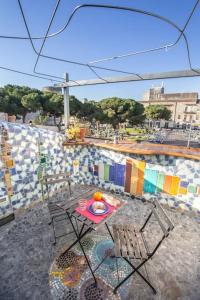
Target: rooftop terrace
point(27, 255)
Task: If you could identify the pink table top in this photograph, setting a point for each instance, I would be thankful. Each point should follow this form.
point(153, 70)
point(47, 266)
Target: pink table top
point(94, 218)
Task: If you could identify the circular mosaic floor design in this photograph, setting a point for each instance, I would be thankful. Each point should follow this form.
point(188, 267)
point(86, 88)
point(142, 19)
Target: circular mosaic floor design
point(70, 277)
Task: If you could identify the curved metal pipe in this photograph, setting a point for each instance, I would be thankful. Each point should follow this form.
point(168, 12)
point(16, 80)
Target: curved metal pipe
point(166, 46)
point(107, 7)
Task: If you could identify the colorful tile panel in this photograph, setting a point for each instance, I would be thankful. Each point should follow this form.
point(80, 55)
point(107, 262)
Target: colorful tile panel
point(139, 180)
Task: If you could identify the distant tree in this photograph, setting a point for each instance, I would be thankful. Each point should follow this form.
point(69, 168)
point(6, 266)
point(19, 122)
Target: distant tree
point(31, 103)
point(75, 106)
point(9, 103)
point(157, 112)
point(53, 106)
point(91, 111)
point(16, 101)
point(118, 110)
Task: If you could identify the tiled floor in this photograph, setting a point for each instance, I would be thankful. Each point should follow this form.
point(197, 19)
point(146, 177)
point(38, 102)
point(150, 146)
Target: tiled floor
point(27, 256)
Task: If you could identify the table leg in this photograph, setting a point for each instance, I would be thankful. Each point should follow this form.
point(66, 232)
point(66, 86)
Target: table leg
point(76, 241)
point(79, 241)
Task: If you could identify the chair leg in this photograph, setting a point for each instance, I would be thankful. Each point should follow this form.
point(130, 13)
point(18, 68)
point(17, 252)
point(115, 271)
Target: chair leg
point(137, 271)
point(109, 231)
point(140, 274)
point(117, 269)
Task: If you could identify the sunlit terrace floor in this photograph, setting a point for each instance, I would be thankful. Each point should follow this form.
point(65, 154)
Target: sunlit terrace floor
point(27, 254)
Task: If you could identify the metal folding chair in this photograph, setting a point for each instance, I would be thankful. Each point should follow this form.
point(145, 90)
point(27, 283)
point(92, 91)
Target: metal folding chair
point(56, 214)
point(132, 244)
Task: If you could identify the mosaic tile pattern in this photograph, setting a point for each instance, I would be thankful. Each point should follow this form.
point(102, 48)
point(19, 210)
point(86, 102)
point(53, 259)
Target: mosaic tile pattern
point(6, 171)
point(32, 152)
point(75, 279)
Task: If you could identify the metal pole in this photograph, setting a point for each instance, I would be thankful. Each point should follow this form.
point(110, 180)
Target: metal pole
point(189, 136)
point(66, 102)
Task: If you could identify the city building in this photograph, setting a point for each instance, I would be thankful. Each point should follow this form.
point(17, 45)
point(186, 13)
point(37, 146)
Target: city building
point(185, 107)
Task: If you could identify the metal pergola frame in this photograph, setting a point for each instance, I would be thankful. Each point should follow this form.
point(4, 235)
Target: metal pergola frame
point(131, 78)
point(128, 77)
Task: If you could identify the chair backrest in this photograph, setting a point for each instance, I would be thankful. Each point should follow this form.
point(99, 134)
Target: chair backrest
point(57, 178)
point(162, 220)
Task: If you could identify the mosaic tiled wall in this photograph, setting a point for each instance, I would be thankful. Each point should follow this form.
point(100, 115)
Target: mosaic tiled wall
point(175, 181)
point(28, 152)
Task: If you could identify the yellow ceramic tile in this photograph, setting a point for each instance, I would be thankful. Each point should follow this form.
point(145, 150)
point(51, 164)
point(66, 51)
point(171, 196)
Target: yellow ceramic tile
point(182, 191)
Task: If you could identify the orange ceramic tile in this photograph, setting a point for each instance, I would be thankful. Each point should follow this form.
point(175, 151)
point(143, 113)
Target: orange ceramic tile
point(141, 168)
point(10, 163)
point(174, 185)
point(167, 184)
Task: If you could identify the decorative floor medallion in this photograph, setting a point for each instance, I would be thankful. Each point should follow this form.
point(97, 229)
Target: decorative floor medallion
point(89, 291)
point(70, 277)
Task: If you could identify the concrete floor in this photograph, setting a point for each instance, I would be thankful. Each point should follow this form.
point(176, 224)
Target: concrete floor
point(26, 254)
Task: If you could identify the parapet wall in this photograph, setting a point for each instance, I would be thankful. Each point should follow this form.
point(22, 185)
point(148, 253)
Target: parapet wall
point(27, 153)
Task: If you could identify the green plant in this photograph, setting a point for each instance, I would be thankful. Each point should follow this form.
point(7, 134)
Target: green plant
point(40, 120)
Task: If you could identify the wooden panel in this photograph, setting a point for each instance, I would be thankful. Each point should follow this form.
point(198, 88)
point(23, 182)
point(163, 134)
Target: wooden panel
point(151, 149)
point(127, 185)
point(134, 177)
point(130, 249)
point(128, 242)
point(174, 185)
point(133, 241)
point(167, 184)
point(122, 241)
point(117, 241)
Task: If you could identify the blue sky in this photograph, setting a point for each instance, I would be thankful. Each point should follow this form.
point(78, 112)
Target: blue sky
point(95, 34)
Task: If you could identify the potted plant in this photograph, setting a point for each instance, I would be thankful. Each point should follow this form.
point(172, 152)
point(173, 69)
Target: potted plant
point(73, 133)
